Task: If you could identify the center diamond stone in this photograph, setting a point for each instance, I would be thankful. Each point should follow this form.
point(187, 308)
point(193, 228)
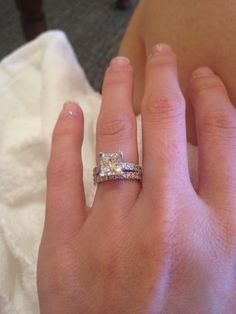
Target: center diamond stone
point(110, 163)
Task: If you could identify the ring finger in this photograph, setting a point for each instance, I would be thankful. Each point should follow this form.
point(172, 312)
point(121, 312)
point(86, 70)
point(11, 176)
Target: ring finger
point(116, 131)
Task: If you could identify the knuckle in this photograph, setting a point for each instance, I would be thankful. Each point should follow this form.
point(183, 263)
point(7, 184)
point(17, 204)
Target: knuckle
point(153, 245)
point(111, 266)
point(166, 107)
point(115, 78)
point(53, 282)
point(61, 171)
point(56, 273)
point(204, 84)
point(62, 132)
point(118, 127)
point(219, 122)
point(226, 233)
point(158, 60)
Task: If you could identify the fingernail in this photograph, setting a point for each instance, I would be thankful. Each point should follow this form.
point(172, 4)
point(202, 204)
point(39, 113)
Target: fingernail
point(161, 48)
point(70, 108)
point(201, 72)
point(120, 63)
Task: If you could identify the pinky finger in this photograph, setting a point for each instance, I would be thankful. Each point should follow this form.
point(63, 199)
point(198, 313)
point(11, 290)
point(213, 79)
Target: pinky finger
point(65, 203)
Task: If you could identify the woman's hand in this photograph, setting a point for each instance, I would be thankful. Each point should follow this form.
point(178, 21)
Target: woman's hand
point(159, 247)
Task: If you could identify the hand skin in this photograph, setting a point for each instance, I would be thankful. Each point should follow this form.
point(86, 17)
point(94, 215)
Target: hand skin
point(160, 247)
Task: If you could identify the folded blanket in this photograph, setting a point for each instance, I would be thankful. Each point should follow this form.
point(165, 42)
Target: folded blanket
point(35, 81)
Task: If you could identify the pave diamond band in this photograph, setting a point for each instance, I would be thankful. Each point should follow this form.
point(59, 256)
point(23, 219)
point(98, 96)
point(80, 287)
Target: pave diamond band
point(112, 167)
point(123, 176)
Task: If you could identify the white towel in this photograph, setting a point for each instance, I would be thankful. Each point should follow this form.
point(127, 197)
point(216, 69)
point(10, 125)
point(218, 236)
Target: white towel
point(35, 81)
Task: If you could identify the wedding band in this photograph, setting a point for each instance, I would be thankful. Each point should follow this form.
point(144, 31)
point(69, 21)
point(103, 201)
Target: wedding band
point(112, 167)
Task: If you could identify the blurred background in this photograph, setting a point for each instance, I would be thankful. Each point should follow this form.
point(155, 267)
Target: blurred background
point(94, 28)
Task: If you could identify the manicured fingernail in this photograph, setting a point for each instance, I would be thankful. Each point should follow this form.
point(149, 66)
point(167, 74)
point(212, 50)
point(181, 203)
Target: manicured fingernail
point(201, 72)
point(70, 108)
point(120, 63)
point(161, 48)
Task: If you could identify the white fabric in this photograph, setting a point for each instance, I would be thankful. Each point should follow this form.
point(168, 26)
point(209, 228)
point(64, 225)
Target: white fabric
point(35, 81)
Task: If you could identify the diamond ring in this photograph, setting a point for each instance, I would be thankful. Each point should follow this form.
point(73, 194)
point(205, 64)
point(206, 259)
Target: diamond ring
point(112, 167)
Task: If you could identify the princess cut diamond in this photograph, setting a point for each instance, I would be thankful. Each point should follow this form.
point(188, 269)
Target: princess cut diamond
point(111, 163)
